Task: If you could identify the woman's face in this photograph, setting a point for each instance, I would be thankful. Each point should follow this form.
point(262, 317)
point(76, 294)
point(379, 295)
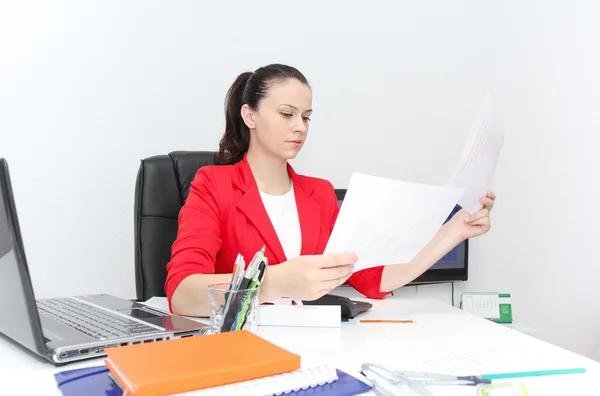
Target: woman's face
point(280, 124)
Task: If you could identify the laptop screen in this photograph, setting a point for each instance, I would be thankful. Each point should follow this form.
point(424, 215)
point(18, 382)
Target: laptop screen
point(19, 319)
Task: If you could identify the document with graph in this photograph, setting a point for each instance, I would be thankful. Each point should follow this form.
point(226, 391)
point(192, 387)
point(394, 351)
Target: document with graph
point(477, 164)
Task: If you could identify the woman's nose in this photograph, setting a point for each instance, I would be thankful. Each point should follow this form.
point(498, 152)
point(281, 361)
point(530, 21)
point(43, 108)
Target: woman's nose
point(300, 126)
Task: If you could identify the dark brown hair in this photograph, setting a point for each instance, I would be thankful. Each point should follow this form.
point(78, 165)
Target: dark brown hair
point(248, 88)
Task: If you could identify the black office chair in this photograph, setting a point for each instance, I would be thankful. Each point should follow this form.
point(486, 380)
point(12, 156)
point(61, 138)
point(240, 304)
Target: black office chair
point(162, 186)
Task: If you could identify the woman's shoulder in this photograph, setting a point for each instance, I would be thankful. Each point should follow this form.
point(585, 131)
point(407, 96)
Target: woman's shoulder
point(316, 183)
point(211, 173)
point(319, 188)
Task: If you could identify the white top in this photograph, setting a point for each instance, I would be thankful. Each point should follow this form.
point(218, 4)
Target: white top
point(283, 213)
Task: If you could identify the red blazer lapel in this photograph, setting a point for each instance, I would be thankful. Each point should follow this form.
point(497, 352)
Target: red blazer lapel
point(252, 207)
point(309, 212)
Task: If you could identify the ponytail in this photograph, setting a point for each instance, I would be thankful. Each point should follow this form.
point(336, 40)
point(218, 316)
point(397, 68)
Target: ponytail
point(235, 141)
point(248, 88)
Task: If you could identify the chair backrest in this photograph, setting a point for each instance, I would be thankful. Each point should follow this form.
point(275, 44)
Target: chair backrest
point(162, 186)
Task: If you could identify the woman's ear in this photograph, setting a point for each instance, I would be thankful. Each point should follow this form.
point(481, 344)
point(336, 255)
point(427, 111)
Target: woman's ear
point(248, 116)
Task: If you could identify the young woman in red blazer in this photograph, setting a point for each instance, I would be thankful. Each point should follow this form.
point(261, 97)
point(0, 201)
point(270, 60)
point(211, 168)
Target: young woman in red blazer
point(253, 197)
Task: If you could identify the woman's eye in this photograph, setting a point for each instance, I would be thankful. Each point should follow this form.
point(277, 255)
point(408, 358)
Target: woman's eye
point(286, 115)
point(306, 118)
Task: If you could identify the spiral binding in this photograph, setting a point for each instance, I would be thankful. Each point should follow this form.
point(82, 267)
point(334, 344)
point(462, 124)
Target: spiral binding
point(275, 385)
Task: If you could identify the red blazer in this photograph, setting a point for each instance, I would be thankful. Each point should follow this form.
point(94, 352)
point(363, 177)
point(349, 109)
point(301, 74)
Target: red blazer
point(224, 215)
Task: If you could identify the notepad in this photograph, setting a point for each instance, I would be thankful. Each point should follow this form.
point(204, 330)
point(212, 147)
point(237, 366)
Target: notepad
point(186, 364)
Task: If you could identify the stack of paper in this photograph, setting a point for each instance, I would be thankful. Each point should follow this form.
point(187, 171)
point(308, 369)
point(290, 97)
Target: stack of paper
point(388, 221)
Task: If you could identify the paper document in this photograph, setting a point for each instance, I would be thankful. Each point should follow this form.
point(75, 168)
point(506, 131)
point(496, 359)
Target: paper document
point(387, 221)
point(477, 164)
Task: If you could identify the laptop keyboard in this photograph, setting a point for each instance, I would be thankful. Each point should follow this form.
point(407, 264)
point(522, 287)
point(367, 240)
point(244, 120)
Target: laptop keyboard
point(90, 320)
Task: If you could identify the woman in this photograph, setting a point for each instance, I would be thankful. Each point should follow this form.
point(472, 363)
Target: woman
point(253, 198)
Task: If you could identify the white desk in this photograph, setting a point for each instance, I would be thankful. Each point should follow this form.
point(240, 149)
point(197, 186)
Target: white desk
point(442, 338)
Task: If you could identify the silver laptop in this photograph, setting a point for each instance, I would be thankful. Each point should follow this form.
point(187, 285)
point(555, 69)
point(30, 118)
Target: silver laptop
point(64, 330)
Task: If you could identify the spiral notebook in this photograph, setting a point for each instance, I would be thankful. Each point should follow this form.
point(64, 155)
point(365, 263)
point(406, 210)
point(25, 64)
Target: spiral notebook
point(192, 363)
point(97, 381)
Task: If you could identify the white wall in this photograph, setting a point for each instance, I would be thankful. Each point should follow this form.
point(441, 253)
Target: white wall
point(89, 88)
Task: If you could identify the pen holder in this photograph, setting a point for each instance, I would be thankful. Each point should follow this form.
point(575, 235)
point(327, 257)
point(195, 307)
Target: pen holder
point(232, 310)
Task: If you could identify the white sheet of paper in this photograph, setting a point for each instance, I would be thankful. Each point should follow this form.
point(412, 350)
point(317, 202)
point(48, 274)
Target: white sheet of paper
point(387, 221)
point(477, 164)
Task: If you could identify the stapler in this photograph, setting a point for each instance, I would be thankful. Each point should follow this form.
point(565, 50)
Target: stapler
point(350, 308)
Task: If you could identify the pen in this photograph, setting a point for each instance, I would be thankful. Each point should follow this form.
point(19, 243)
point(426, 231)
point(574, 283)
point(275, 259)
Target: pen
point(533, 373)
point(241, 272)
point(237, 270)
point(256, 260)
point(235, 265)
point(252, 268)
point(261, 269)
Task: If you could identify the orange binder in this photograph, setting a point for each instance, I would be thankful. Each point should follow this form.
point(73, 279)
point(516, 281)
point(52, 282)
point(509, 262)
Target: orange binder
point(187, 364)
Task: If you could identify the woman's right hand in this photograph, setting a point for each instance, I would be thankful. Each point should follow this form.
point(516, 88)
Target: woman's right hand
point(309, 277)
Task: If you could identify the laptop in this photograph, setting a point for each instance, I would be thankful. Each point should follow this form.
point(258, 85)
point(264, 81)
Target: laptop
point(64, 330)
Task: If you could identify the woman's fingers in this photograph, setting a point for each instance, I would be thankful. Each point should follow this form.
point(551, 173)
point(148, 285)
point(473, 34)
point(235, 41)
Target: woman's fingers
point(329, 285)
point(336, 259)
point(336, 273)
point(488, 203)
point(483, 213)
point(483, 222)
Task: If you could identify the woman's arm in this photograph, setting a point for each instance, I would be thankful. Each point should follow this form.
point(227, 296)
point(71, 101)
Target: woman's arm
point(398, 275)
point(191, 296)
point(193, 255)
point(460, 227)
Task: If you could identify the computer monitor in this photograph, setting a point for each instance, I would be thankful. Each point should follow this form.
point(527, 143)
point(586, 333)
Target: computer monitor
point(452, 267)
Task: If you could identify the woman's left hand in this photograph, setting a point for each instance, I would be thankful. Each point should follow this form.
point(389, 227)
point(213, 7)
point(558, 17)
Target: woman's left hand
point(478, 223)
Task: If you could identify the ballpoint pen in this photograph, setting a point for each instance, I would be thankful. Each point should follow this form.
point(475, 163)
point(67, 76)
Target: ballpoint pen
point(238, 270)
point(252, 268)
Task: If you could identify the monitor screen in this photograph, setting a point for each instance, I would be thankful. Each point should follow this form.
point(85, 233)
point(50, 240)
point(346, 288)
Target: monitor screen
point(452, 267)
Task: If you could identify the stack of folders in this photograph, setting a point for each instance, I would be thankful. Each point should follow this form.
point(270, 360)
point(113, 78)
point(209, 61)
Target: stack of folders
point(233, 363)
point(243, 281)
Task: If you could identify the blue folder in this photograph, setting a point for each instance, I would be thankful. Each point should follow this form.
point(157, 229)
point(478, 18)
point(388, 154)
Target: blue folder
point(95, 381)
point(346, 385)
point(91, 381)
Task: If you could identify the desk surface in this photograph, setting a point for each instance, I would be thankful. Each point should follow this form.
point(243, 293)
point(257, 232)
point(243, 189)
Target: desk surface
point(442, 339)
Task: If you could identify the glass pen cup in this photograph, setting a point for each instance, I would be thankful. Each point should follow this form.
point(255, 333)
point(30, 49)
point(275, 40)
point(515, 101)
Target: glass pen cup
point(232, 310)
